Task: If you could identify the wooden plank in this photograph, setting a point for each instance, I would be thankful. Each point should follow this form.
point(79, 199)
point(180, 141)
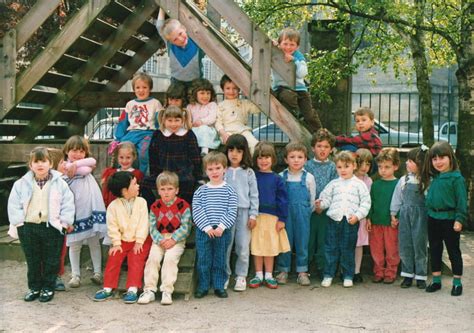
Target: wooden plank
point(15, 129)
point(261, 71)
point(59, 80)
point(232, 13)
point(33, 19)
point(89, 100)
point(172, 8)
point(58, 46)
point(288, 123)
point(80, 79)
point(39, 95)
point(27, 112)
point(214, 15)
point(69, 64)
point(7, 72)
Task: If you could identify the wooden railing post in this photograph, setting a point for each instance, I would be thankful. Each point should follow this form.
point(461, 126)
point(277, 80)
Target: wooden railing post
point(7, 72)
point(261, 71)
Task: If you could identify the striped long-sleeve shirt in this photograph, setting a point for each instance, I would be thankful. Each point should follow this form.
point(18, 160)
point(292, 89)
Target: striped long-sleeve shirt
point(214, 206)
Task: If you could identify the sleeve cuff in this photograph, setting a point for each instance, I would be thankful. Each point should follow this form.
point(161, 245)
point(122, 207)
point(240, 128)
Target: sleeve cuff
point(222, 226)
point(253, 217)
point(206, 229)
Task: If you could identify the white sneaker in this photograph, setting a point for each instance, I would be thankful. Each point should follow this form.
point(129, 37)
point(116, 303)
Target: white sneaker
point(97, 279)
point(347, 283)
point(166, 298)
point(226, 284)
point(147, 297)
point(240, 284)
point(75, 281)
point(326, 282)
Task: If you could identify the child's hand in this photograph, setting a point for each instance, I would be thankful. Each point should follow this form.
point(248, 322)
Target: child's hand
point(251, 223)
point(218, 232)
point(170, 243)
point(368, 225)
point(69, 229)
point(71, 171)
point(275, 42)
point(353, 220)
point(114, 249)
point(279, 225)
point(457, 226)
point(197, 123)
point(393, 221)
point(137, 248)
point(210, 233)
point(288, 57)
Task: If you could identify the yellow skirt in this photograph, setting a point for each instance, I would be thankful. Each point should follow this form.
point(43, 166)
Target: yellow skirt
point(266, 241)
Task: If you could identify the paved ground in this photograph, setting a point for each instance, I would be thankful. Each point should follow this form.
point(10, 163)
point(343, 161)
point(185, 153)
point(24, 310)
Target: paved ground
point(366, 307)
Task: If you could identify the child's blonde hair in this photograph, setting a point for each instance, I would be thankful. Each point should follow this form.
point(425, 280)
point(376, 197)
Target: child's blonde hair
point(125, 145)
point(296, 146)
point(143, 77)
point(264, 149)
point(174, 112)
point(39, 154)
point(345, 157)
point(56, 156)
point(76, 142)
point(169, 26)
point(200, 85)
point(291, 34)
point(388, 154)
point(364, 111)
point(214, 157)
point(364, 155)
point(167, 178)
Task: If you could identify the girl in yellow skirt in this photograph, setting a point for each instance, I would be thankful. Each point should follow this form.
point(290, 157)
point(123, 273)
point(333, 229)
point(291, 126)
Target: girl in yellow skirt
point(269, 237)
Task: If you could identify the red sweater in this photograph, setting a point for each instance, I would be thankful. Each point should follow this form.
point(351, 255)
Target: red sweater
point(106, 194)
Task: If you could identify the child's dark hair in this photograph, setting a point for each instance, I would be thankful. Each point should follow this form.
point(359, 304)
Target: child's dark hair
point(239, 142)
point(176, 90)
point(118, 181)
point(264, 149)
point(388, 154)
point(143, 77)
point(200, 85)
point(323, 134)
point(39, 154)
point(76, 142)
point(439, 149)
point(418, 155)
point(224, 80)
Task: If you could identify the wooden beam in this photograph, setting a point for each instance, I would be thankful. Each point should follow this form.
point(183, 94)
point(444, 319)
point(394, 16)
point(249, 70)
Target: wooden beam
point(172, 7)
point(7, 72)
point(58, 46)
point(261, 71)
point(232, 13)
point(33, 19)
point(107, 99)
point(87, 72)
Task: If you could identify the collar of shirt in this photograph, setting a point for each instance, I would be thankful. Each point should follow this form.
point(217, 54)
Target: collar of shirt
point(181, 132)
point(42, 182)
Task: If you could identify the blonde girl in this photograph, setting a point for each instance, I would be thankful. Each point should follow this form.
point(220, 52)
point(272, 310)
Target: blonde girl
point(125, 154)
point(89, 222)
point(269, 237)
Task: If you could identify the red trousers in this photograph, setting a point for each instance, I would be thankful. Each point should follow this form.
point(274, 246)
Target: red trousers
point(136, 265)
point(383, 241)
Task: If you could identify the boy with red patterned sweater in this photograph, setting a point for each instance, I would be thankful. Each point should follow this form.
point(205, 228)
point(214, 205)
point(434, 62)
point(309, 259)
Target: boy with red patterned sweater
point(170, 225)
point(368, 137)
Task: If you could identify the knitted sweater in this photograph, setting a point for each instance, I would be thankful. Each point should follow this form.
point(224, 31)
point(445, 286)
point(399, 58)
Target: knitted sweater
point(323, 173)
point(381, 194)
point(170, 218)
point(272, 195)
point(233, 115)
point(244, 183)
point(301, 72)
point(345, 198)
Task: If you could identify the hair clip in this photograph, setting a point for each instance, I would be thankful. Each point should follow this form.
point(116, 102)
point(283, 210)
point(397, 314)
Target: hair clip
point(424, 148)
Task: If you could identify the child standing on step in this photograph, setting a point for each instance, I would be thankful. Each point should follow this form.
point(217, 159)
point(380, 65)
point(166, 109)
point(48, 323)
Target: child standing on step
point(214, 213)
point(301, 190)
point(233, 114)
point(383, 232)
point(203, 110)
point(269, 237)
point(364, 161)
point(124, 154)
point(408, 209)
point(347, 201)
point(127, 228)
point(242, 178)
point(89, 224)
point(140, 118)
point(296, 99)
point(446, 201)
point(41, 210)
point(170, 225)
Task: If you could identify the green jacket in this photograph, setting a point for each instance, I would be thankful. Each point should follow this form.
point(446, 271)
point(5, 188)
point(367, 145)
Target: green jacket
point(447, 197)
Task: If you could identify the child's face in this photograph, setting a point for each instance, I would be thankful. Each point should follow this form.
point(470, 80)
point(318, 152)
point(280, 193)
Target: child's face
point(215, 172)
point(411, 166)
point(264, 163)
point(173, 124)
point(175, 102)
point(125, 158)
point(167, 192)
point(288, 46)
point(40, 168)
point(62, 166)
point(321, 150)
point(231, 91)
point(295, 160)
point(235, 156)
point(345, 170)
point(178, 37)
point(362, 169)
point(441, 163)
point(76, 154)
point(203, 97)
point(132, 190)
point(387, 169)
point(363, 123)
point(141, 89)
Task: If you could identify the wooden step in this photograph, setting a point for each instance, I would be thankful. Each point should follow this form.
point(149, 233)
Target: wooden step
point(27, 112)
point(69, 64)
point(119, 13)
point(58, 80)
point(59, 131)
point(102, 28)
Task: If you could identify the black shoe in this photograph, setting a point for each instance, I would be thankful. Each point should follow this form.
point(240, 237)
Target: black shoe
point(456, 291)
point(407, 282)
point(421, 284)
point(357, 278)
point(46, 295)
point(200, 293)
point(221, 293)
point(31, 295)
point(433, 286)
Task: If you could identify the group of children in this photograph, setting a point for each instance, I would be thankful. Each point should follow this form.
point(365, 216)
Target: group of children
point(324, 211)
